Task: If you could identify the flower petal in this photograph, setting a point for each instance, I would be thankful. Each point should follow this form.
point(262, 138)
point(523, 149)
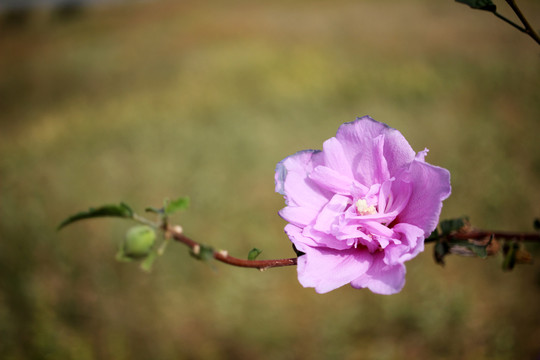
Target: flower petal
point(335, 157)
point(381, 278)
point(413, 237)
point(329, 215)
point(331, 180)
point(430, 186)
point(357, 138)
point(300, 216)
point(292, 180)
point(326, 240)
point(300, 241)
point(327, 269)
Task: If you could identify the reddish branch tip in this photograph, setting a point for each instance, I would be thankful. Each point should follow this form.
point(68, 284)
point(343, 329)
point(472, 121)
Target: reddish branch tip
point(224, 257)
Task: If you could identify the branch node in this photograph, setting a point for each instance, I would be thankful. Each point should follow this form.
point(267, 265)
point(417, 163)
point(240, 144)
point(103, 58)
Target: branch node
point(223, 253)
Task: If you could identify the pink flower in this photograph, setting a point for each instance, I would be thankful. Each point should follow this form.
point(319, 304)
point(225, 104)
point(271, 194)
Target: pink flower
point(360, 208)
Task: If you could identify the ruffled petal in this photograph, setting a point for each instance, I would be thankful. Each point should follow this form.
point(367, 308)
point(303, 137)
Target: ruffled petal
point(300, 216)
point(430, 185)
point(382, 278)
point(300, 241)
point(292, 181)
point(335, 157)
point(371, 156)
point(413, 237)
point(330, 213)
point(327, 269)
point(323, 239)
point(331, 180)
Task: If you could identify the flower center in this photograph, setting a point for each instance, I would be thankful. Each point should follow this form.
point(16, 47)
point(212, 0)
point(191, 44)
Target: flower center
point(363, 208)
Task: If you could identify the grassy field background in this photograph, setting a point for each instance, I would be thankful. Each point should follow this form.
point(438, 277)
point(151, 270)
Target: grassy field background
point(160, 99)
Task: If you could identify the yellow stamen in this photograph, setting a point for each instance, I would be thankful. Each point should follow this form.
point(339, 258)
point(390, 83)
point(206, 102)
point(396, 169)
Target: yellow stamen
point(364, 209)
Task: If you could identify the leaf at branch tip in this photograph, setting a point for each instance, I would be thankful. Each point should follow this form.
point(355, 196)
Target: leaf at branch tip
point(254, 253)
point(487, 5)
point(122, 210)
point(176, 205)
point(202, 252)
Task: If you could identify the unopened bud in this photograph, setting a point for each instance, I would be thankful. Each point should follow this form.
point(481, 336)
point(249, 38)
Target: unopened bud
point(139, 241)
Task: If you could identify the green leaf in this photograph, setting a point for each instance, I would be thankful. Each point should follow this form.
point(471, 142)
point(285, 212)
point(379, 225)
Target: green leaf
point(447, 226)
point(479, 250)
point(510, 253)
point(467, 248)
point(440, 250)
point(122, 210)
point(176, 205)
point(254, 253)
point(202, 252)
point(487, 5)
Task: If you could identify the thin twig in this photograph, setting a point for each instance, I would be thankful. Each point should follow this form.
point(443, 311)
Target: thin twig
point(522, 29)
point(224, 257)
point(177, 233)
point(482, 234)
point(528, 28)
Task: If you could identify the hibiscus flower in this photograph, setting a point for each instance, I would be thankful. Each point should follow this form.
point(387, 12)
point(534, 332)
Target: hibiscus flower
point(360, 208)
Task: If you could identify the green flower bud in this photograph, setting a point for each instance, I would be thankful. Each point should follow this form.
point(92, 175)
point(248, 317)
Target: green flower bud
point(139, 241)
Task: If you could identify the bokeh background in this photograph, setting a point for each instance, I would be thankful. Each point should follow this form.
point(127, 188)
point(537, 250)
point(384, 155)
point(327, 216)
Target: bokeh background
point(138, 102)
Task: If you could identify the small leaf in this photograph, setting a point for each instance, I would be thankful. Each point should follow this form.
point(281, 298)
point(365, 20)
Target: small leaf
point(447, 226)
point(254, 253)
point(176, 205)
point(440, 250)
point(122, 210)
point(510, 253)
point(487, 5)
point(468, 248)
point(479, 250)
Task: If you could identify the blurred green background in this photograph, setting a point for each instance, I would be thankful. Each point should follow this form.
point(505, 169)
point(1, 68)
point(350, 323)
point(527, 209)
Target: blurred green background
point(138, 102)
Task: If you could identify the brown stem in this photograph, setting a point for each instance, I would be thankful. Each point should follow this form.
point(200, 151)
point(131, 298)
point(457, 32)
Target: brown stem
point(482, 234)
point(176, 233)
point(528, 28)
point(224, 257)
